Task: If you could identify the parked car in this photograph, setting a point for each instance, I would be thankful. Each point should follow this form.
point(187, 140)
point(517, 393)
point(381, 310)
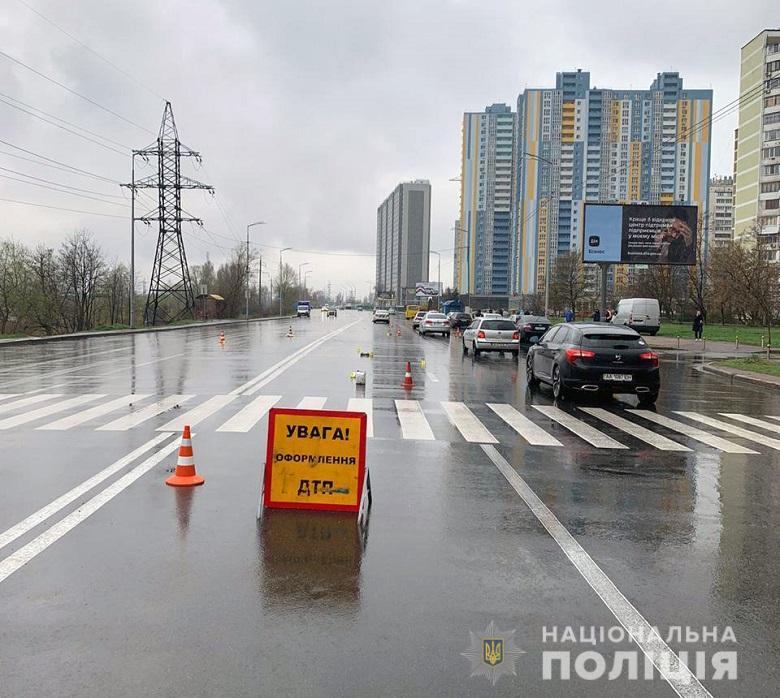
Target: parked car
point(434, 323)
point(594, 357)
point(460, 320)
point(640, 314)
point(491, 334)
point(531, 327)
point(381, 315)
point(417, 318)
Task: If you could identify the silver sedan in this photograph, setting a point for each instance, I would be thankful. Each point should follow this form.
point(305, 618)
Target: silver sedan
point(434, 323)
point(488, 334)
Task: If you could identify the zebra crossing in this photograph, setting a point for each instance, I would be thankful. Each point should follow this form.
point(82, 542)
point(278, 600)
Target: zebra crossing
point(405, 419)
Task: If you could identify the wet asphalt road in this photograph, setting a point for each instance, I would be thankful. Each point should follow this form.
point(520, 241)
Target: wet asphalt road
point(182, 592)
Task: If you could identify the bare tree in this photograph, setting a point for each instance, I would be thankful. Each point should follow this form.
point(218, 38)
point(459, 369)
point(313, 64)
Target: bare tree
point(82, 267)
point(14, 285)
point(115, 291)
point(47, 297)
point(569, 284)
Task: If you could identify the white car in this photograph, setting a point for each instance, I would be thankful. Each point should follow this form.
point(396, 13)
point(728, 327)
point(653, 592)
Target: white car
point(381, 315)
point(434, 323)
point(489, 334)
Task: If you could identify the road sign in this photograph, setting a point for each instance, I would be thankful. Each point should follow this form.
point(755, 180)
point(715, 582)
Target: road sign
point(316, 459)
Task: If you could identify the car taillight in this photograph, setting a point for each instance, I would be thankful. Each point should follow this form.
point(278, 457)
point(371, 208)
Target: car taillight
point(428, 322)
point(480, 335)
point(573, 354)
point(650, 356)
point(515, 335)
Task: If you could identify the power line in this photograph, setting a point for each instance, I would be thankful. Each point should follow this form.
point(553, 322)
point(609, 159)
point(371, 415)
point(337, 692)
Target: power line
point(63, 191)
point(65, 128)
point(77, 170)
point(60, 208)
point(57, 118)
point(60, 184)
point(74, 92)
point(127, 75)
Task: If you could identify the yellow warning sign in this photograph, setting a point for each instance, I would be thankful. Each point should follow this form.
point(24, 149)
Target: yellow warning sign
point(316, 459)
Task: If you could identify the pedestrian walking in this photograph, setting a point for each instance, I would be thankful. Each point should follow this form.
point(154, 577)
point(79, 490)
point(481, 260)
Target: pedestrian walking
point(607, 315)
point(596, 315)
point(568, 315)
point(698, 326)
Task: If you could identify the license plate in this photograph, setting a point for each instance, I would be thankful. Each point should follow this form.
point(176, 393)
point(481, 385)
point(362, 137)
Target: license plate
point(623, 377)
point(540, 328)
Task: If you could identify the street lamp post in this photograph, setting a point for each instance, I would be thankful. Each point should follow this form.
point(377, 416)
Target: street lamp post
point(247, 264)
point(438, 275)
point(281, 252)
point(305, 274)
point(301, 266)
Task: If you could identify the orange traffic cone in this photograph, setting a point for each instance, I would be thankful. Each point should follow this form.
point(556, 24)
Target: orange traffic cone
point(185, 475)
point(408, 383)
point(398, 332)
point(222, 336)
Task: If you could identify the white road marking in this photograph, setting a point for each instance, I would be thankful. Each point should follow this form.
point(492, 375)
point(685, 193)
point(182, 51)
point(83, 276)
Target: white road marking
point(363, 404)
point(256, 383)
point(463, 419)
point(532, 433)
point(414, 425)
point(585, 431)
point(676, 674)
point(6, 396)
point(133, 420)
point(197, 414)
point(731, 429)
point(62, 359)
point(432, 377)
point(769, 426)
point(250, 415)
point(693, 433)
point(27, 401)
point(312, 403)
point(72, 495)
point(636, 430)
point(41, 412)
point(92, 412)
point(52, 534)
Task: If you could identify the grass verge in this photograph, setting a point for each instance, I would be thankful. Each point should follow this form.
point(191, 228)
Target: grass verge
point(753, 365)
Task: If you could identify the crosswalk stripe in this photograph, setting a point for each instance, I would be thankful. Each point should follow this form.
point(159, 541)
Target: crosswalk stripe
point(414, 425)
point(731, 429)
point(636, 430)
point(7, 396)
point(769, 426)
point(312, 403)
point(250, 415)
point(41, 412)
point(693, 432)
point(92, 412)
point(197, 414)
point(585, 431)
point(363, 404)
point(133, 420)
point(27, 401)
point(532, 433)
point(470, 428)
point(770, 416)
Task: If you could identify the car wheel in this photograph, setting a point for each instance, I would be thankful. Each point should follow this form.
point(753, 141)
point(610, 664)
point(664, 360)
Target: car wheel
point(515, 354)
point(559, 392)
point(648, 399)
point(474, 350)
point(530, 376)
point(465, 349)
point(446, 334)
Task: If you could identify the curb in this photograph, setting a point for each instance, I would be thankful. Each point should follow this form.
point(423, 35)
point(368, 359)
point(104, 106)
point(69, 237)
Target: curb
point(734, 374)
point(139, 330)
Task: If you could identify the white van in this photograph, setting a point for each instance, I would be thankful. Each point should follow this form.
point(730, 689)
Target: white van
point(641, 314)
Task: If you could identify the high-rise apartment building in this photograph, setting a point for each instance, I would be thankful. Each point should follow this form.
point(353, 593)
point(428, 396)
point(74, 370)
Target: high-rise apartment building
point(721, 210)
point(403, 240)
point(576, 144)
point(482, 233)
point(757, 168)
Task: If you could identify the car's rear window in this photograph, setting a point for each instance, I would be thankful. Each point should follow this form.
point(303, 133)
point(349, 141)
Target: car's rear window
point(436, 316)
point(498, 325)
point(535, 319)
point(612, 340)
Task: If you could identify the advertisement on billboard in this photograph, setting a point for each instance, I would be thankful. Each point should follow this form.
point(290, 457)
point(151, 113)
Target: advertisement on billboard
point(424, 289)
point(640, 234)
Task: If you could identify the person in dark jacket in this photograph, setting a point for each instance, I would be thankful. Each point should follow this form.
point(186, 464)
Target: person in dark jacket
point(698, 325)
point(596, 315)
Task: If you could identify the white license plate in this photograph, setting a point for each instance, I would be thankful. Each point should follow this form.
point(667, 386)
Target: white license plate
point(623, 377)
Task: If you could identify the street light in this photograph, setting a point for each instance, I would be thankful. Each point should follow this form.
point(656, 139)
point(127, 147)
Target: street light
point(281, 252)
point(438, 273)
point(305, 274)
point(247, 264)
point(300, 266)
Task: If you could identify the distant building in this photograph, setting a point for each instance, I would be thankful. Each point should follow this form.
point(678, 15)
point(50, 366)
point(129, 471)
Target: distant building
point(482, 233)
point(576, 143)
point(757, 170)
point(721, 210)
point(403, 235)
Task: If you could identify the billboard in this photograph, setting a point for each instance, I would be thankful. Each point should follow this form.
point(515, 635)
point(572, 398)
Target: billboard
point(639, 234)
point(423, 289)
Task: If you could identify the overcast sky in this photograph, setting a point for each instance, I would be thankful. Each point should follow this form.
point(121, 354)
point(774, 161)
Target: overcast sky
point(307, 114)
